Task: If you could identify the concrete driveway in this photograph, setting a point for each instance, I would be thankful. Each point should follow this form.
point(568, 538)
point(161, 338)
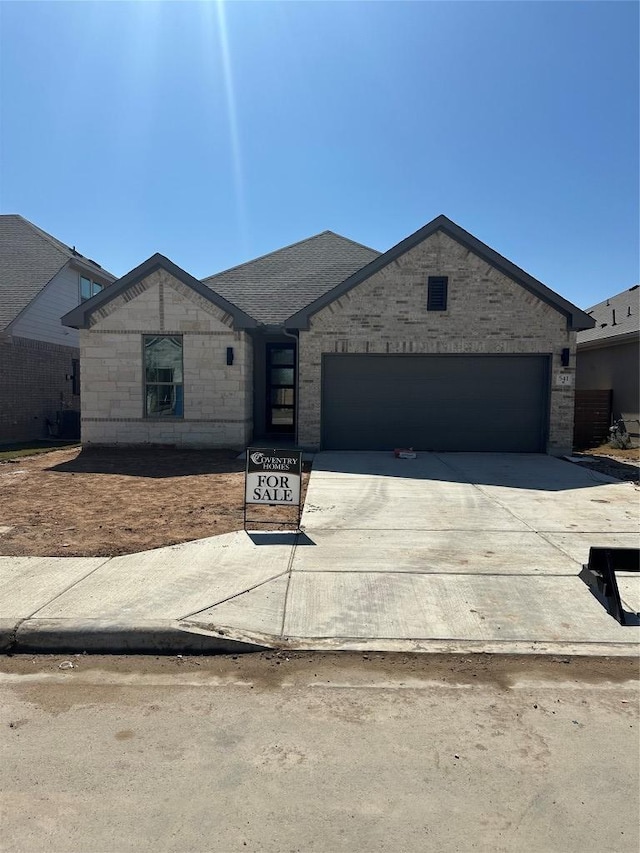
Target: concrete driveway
point(480, 547)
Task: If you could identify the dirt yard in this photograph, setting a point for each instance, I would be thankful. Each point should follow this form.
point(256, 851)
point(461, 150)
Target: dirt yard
point(621, 464)
point(71, 503)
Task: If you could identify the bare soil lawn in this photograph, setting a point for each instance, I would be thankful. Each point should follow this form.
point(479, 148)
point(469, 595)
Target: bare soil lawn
point(613, 461)
point(105, 502)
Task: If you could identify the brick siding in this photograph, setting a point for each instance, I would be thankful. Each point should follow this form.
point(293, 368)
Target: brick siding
point(217, 396)
point(486, 312)
point(33, 387)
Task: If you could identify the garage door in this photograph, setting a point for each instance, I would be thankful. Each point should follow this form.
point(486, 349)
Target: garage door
point(435, 402)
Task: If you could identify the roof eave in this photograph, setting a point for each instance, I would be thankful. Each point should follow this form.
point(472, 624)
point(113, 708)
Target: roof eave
point(579, 321)
point(610, 341)
point(94, 270)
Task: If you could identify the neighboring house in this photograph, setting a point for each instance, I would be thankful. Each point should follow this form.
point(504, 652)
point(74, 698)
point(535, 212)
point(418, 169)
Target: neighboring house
point(439, 343)
point(608, 356)
point(40, 280)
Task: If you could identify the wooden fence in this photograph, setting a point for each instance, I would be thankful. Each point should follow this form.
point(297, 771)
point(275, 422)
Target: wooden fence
point(592, 418)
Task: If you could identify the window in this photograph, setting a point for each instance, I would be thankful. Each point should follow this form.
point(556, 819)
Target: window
point(89, 288)
point(163, 376)
point(281, 387)
point(437, 293)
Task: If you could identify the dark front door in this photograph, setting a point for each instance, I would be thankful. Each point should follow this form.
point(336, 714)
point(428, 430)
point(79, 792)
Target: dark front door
point(281, 388)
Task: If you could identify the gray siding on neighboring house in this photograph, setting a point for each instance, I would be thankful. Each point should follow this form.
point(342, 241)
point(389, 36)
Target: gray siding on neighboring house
point(608, 357)
point(33, 387)
point(487, 312)
point(40, 320)
point(614, 367)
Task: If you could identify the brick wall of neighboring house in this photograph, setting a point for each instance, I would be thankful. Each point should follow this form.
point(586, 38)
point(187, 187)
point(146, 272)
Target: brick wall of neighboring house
point(217, 396)
point(486, 313)
point(33, 387)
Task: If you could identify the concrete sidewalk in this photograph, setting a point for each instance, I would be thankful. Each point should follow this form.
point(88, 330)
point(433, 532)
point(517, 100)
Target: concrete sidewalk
point(445, 553)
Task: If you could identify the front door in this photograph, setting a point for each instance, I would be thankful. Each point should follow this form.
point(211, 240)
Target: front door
point(281, 388)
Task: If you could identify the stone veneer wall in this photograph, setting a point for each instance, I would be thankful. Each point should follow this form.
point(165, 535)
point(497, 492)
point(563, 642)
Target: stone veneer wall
point(486, 312)
point(217, 396)
point(33, 387)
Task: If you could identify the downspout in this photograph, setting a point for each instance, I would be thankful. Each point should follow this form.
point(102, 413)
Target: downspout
point(296, 338)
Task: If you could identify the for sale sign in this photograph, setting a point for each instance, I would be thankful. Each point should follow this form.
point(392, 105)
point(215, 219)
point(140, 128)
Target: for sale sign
point(273, 477)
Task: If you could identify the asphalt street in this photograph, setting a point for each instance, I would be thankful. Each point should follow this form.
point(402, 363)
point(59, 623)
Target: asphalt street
point(282, 752)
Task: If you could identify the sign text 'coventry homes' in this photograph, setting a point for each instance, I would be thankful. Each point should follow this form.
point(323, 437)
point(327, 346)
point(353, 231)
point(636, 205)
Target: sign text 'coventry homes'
point(273, 477)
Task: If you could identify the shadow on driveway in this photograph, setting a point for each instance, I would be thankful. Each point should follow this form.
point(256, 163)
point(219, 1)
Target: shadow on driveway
point(532, 471)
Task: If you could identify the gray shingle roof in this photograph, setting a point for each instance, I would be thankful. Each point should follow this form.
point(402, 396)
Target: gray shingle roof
point(29, 259)
point(275, 286)
point(626, 318)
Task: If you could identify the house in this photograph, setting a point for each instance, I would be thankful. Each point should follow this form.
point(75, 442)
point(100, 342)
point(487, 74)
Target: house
point(608, 362)
point(439, 343)
point(40, 280)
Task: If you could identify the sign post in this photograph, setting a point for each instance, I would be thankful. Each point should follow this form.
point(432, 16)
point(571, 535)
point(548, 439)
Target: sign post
point(273, 478)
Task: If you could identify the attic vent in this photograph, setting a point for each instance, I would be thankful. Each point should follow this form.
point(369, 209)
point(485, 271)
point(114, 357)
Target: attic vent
point(437, 293)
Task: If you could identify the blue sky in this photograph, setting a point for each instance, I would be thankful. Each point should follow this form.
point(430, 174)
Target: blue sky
point(214, 133)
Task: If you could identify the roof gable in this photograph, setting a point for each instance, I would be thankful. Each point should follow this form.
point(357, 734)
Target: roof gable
point(80, 317)
point(272, 287)
point(576, 319)
point(29, 259)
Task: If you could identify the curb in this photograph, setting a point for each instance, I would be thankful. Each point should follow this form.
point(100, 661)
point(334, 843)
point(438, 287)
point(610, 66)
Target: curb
point(165, 637)
point(49, 636)
point(8, 628)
